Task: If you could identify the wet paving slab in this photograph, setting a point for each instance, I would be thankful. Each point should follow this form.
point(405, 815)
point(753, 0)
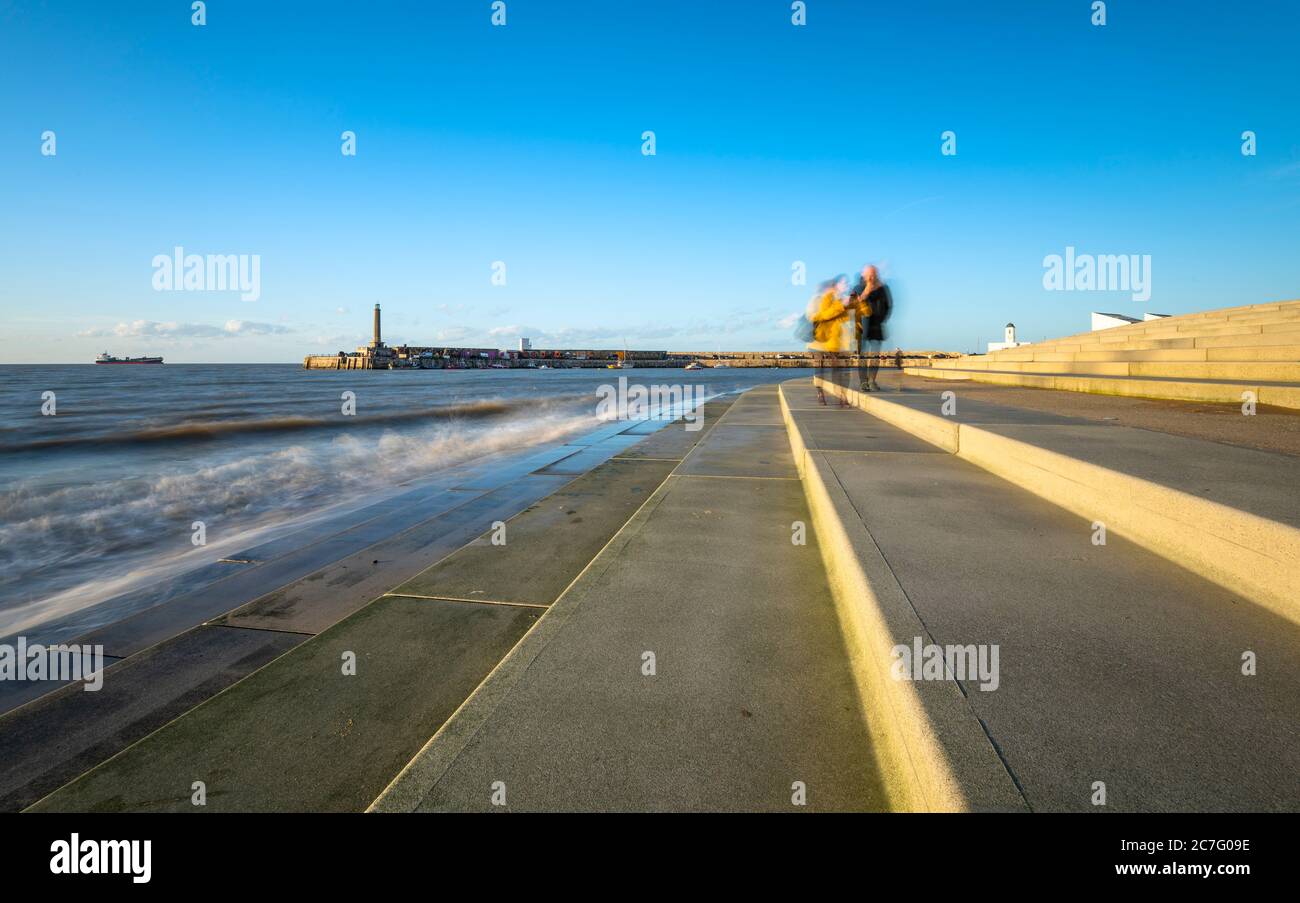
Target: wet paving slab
point(303, 735)
point(337, 590)
point(51, 741)
point(591, 456)
point(156, 624)
point(539, 552)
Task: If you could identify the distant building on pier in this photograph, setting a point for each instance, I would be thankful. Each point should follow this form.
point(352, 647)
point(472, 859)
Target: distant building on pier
point(375, 355)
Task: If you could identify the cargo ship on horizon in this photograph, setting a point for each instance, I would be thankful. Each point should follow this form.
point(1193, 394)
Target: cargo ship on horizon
point(107, 358)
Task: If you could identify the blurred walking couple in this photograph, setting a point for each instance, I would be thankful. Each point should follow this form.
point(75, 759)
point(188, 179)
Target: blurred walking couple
point(840, 319)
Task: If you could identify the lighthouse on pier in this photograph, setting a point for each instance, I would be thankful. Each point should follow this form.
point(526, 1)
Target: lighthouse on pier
point(376, 342)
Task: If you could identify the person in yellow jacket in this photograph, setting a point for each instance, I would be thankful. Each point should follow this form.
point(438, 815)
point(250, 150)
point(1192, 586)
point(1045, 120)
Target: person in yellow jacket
point(830, 313)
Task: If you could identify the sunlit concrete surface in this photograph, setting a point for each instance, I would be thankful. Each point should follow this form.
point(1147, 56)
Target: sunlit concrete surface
point(1117, 664)
point(1225, 512)
point(751, 692)
point(1212, 356)
point(649, 637)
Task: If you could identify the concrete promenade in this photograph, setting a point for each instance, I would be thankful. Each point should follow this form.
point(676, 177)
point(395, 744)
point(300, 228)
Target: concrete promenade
point(236, 619)
point(1228, 513)
point(751, 690)
point(678, 620)
point(1270, 429)
point(680, 545)
point(1118, 665)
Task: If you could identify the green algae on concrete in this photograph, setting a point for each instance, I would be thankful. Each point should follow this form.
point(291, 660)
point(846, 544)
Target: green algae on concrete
point(49, 742)
point(301, 735)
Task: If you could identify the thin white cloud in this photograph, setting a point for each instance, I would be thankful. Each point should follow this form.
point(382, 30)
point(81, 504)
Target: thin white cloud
point(246, 327)
point(758, 320)
point(154, 329)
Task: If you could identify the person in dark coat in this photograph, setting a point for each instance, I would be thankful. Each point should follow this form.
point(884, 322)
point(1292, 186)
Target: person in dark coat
point(872, 305)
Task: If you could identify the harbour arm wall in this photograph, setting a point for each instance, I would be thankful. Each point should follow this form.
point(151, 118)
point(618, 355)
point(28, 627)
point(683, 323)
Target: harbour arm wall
point(420, 358)
point(378, 356)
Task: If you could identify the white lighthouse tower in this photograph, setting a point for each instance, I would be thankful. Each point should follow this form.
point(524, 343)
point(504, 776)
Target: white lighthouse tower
point(1009, 336)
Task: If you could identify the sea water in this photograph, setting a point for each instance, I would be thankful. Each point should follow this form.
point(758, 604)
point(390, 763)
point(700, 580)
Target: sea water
point(103, 496)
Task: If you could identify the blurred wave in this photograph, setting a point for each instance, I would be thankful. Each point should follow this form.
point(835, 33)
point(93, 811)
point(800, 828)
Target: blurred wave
point(98, 500)
point(190, 431)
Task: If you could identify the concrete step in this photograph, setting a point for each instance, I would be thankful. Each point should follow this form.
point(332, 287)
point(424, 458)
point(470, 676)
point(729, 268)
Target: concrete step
point(1183, 354)
point(1283, 395)
point(1212, 508)
point(1086, 367)
point(1264, 371)
point(1254, 353)
point(1226, 337)
point(1116, 665)
point(1221, 325)
point(1198, 330)
point(1262, 318)
point(1129, 354)
point(1268, 337)
point(1161, 343)
point(751, 693)
point(1283, 337)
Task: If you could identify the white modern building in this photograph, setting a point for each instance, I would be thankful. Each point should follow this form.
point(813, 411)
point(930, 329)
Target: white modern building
point(1107, 321)
point(525, 344)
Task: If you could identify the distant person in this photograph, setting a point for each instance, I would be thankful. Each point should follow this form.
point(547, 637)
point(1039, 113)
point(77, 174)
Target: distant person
point(829, 315)
point(872, 304)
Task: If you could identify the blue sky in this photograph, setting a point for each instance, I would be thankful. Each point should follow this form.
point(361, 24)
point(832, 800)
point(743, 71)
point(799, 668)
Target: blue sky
point(522, 144)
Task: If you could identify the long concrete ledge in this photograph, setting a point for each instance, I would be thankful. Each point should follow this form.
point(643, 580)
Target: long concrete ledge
point(1243, 552)
point(1282, 395)
point(932, 752)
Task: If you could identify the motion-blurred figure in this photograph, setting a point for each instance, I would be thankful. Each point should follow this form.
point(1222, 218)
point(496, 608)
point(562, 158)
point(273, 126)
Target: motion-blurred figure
point(872, 304)
point(829, 313)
